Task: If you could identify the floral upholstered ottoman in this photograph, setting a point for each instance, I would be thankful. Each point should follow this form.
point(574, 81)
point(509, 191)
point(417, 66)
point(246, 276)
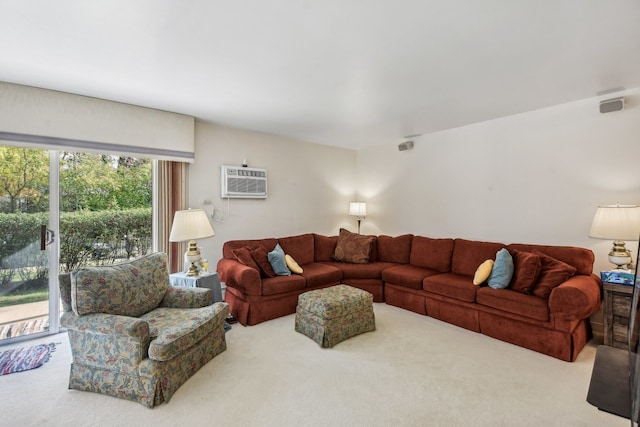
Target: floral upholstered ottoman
point(329, 316)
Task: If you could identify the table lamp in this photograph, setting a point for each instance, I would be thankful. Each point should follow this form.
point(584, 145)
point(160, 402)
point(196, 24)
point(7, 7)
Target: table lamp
point(190, 225)
point(617, 223)
point(359, 210)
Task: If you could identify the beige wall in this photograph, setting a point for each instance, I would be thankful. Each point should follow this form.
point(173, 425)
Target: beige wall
point(533, 178)
point(530, 178)
point(309, 186)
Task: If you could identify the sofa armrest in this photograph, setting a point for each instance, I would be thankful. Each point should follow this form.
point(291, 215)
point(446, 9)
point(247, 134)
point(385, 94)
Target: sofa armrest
point(240, 276)
point(577, 298)
point(108, 341)
point(178, 297)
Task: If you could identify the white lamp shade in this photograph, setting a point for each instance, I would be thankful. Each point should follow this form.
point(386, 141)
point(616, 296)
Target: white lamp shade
point(358, 209)
point(616, 222)
point(190, 225)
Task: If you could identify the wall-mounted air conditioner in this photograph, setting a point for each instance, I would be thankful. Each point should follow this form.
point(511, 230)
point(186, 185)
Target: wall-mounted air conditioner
point(243, 183)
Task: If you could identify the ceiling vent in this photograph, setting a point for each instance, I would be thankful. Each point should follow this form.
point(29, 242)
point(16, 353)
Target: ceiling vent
point(239, 182)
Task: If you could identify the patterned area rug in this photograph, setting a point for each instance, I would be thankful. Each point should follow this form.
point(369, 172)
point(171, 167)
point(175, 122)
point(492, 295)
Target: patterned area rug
point(23, 328)
point(23, 359)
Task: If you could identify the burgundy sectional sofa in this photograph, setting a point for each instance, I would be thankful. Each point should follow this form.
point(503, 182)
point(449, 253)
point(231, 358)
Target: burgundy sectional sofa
point(432, 277)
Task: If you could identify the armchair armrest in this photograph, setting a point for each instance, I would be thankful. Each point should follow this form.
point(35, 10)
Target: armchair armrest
point(177, 297)
point(239, 276)
point(577, 298)
point(108, 324)
point(107, 340)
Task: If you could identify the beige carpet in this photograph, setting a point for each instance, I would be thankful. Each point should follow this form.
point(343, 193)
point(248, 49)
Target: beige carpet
point(412, 371)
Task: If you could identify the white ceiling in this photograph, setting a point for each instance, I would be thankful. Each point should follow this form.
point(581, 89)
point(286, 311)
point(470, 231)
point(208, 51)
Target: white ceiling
point(348, 73)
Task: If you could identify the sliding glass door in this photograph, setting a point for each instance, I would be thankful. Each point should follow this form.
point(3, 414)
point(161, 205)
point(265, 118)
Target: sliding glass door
point(28, 210)
point(61, 210)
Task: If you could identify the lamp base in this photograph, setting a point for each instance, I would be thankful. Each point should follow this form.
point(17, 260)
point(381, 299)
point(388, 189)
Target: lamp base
point(192, 256)
point(192, 270)
point(619, 255)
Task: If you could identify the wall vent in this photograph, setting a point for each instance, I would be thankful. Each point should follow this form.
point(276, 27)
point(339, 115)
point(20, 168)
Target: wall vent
point(243, 183)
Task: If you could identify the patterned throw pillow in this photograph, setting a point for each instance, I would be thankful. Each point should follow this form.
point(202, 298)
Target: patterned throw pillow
point(353, 248)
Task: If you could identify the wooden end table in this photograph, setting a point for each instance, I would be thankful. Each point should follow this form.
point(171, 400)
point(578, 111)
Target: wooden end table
point(616, 311)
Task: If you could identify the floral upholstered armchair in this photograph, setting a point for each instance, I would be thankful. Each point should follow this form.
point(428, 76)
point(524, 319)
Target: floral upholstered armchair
point(133, 335)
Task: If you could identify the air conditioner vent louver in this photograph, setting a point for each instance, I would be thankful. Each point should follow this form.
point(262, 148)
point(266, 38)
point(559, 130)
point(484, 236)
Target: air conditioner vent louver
point(238, 182)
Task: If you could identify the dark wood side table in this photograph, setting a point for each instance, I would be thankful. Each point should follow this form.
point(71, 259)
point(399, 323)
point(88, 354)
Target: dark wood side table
point(616, 310)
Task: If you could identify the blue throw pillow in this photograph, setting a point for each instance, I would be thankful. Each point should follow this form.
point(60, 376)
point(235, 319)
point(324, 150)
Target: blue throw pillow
point(277, 261)
point(502, 271)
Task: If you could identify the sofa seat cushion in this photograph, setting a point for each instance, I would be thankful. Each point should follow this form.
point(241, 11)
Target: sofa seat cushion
point(174, 330)
point(451, 285)
point(408, 276)
point(373, 270)
point(514, 302)
point(280, 284)
point(318, 274)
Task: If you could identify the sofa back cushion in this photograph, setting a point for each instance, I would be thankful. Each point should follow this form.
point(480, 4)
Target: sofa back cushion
point(131, 288)
point(431, 253)
point(299, 248)
point(394, 249)
point(324, 247)
point(582, 259)
point(469, 254)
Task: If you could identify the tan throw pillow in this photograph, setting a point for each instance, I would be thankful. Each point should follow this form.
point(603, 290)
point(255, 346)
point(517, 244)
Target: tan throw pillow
point(353, 248)
point(483, 272)
point(292, 264)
